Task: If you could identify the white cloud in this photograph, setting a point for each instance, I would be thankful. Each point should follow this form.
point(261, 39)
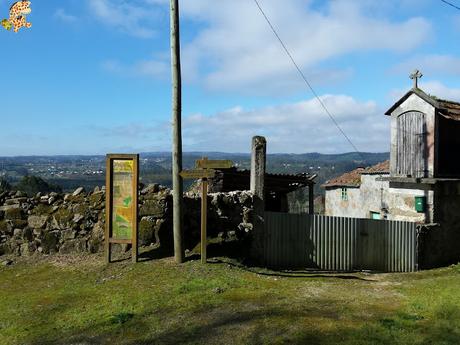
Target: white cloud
point(440, 90)
point(240, 52)
point(234, 49)
point(296, 128)
point(433, 64)
point(432, 87)
point(290, 128)
point(134, 18)
point(61, 14)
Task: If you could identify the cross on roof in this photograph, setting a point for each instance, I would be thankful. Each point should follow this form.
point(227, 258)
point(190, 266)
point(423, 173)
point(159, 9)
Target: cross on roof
point(415, 76)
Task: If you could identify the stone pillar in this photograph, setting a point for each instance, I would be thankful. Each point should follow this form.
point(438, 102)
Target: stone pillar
point(258, 160)
point(311, 199)
point(257, 183)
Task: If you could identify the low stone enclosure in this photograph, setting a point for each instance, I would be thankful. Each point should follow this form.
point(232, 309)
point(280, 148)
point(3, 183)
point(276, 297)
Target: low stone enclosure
point(75, 223)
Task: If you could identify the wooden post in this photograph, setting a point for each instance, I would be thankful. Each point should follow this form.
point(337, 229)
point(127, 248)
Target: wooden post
point(108, 210)
point(135, 181)
point(258, 164)
point(177, 134)
point(311, 200)
point(204, 207)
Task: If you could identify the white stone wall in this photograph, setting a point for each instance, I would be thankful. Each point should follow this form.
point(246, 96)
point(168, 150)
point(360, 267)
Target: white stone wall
point(399, 202)
point(372, 196)
point(335, 206)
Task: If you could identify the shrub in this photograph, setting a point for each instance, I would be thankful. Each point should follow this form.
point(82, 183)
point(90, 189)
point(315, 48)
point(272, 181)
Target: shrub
point(33, 184)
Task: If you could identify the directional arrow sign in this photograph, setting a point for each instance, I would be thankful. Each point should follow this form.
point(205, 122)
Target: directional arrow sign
point(214, 163)
point(198, 173)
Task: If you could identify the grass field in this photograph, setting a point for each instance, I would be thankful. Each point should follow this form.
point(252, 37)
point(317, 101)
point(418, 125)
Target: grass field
point(80, 300)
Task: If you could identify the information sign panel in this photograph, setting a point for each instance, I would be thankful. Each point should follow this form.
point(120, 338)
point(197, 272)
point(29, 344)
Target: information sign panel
point(122, 179)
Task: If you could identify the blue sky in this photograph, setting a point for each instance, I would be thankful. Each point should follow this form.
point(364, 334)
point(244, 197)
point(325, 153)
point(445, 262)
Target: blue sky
point(93, 76)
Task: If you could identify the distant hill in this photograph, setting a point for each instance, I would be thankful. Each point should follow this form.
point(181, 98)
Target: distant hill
point(70, 171)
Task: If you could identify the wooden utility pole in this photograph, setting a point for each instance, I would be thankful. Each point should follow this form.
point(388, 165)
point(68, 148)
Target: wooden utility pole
point(176, 133)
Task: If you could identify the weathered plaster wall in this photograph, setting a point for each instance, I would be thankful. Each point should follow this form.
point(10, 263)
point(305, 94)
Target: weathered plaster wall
point(75, 223)
point(335, 206)
point(399, 202)
point(372, 196)
point(414, 103)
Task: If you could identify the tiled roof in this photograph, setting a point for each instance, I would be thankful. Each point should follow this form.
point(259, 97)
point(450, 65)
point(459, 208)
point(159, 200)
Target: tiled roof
point(449, 109)
point(353, 178)
point(380, 168)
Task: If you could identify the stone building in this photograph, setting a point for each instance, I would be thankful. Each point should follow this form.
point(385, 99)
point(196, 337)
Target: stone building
point(425, 131)
point(420, 183)
point(364, 193)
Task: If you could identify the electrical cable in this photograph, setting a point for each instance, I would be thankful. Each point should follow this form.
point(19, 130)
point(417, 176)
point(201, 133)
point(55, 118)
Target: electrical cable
point(306, 81)
point(451, 4)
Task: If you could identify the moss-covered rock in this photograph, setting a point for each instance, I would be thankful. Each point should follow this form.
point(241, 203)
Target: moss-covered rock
point(146, 231)
point(73, 246)
point(97, 198)
point(14, 213)
point(6, 226)
point(81, 208)
point(96, 240)
point(10, 247)
point(76, 199)
point(37, 222)
point(68, 235)
point(42, 209)
point(19, 223)
point(49, 242)
point(163, 234)
point(27, 249)
point(155, 207)
point(62, 218)
point(28, 234)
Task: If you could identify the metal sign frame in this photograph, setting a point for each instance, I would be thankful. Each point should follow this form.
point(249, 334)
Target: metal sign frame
point(109, 239)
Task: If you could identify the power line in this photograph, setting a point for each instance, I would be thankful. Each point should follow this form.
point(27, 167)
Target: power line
point(451, 4)
point(306, 81)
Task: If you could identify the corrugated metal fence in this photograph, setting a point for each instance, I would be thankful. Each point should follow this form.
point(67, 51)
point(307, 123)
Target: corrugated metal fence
point(339, 244)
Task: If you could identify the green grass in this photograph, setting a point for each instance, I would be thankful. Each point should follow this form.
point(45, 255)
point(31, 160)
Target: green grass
point(68, 300)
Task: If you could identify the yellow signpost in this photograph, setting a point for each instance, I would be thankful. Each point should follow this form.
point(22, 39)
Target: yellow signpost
point(204, 173)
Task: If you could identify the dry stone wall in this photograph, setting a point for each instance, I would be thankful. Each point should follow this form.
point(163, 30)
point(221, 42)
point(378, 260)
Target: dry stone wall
point(75, 222)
